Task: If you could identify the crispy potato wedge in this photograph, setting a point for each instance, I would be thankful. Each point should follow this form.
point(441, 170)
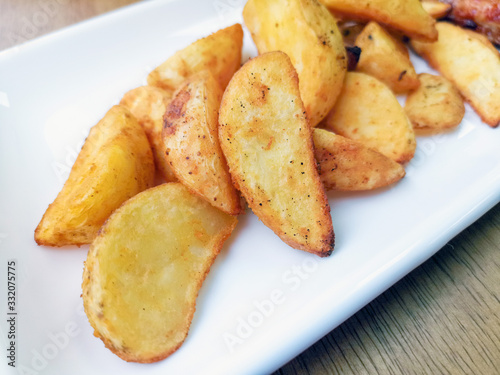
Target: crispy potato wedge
point(219, 53)
point(145, 268)
point(115, 163)
point(407, 16)
point(350, 31)
point(148, 105)
point(386, 59)
point(367, 111)
point(471, 63)
point(436, 9)
point(348, 165)
point(267, 142)
point(481, 38)
point(309, 35)
point(436, 104)
point(192, 145)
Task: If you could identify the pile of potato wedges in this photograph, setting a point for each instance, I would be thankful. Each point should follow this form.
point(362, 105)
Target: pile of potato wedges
point(316, 110)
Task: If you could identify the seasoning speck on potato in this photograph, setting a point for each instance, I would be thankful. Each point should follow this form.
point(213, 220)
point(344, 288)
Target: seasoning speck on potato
point(267, 141)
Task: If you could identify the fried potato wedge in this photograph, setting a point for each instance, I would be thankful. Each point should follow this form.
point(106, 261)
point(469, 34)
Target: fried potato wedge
point(367, 111)
point(148, 105)
point(348, 165)
point(386, 59)
point(309, 35)
point(436, 9)
point(350, 31)
point(436, 104)
point(267, 142)
point(481, 38)
point(192, 145)
point(219, 53)
point(407, 16)
point(115, 163)
point(471, 63)
point(145, 268)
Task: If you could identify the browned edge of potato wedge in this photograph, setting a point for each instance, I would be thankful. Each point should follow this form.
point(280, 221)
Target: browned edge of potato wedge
point(114, 164)
point(386, 59)
point(407, 16)
point(347, 165)
point(219, 53)
point(309, 35)
point(148, 105)
point(191, 141)
point(368, 112)
point(267, 141)
point(436, 104)
point(469, 61)
point(145, 269)
point(436, 9)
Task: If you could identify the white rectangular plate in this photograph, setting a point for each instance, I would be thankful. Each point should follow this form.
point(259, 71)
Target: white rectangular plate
point(263, 302)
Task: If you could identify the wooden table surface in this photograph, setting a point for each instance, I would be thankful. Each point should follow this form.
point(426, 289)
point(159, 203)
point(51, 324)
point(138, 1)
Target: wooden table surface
point(443, 318)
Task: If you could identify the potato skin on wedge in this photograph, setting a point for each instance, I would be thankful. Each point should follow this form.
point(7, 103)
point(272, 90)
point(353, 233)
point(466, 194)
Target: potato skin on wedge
point(148, 105)
point(347, 165)
point(115, 164)
point(436, 9)
point(407, 16)
point(267, 141)
point(191, 142)
point(368, 112)
point(386, 59)
point(145, 268)
point(435, 105)
point(219, 53)
point(471, 62)
point(308, 34)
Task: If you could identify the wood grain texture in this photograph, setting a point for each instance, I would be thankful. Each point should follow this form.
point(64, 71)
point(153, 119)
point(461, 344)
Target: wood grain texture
point(22, 20)
point(443, 318)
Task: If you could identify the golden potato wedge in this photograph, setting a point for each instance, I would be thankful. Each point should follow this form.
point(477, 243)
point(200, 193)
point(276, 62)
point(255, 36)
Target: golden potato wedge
point(115, 163)
point(350, 31)
point(267, 142)
point(407, 16)
point(481, 38)
point(367, 111)
point(309, 35)
point(436, 104)
point(148, 105)
point(192, 145)
point(386, 59)
point(471, 63)
point(145, 268)
point(348, 165)
point(436, 9)
point(219, 53)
